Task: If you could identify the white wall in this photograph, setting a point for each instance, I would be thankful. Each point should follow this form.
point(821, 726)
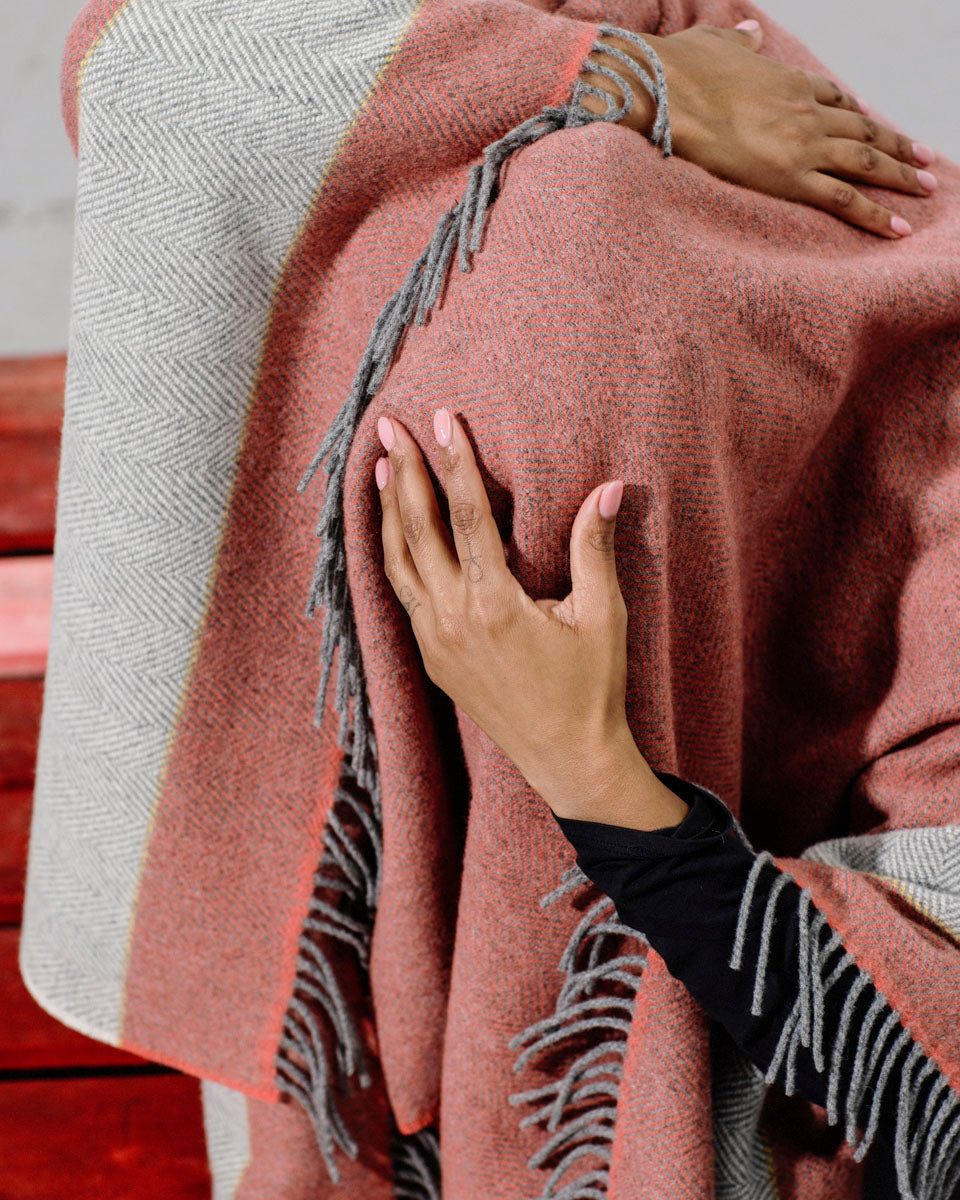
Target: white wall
point(905, 64)
point(902, 59)
point(36, 177)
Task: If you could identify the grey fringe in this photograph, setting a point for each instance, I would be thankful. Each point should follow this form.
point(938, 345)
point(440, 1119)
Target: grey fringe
point(583, 1132)
point(349, 867)
point(416, 1166)
point(928, 1160)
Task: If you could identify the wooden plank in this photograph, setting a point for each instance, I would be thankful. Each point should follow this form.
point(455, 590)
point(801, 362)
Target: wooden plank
point(30, 1039)
point(31, 394)
point(21, 703)
point(15, 808)
point(31, 416)
point(126, 1138)
point(26, 592)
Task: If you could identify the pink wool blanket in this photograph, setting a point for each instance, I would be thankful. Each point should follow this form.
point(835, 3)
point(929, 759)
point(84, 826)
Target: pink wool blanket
point(334, 919)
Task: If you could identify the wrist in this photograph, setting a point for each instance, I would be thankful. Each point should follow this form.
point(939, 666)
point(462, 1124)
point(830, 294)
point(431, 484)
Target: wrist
point(643, 111)
point(616, 786)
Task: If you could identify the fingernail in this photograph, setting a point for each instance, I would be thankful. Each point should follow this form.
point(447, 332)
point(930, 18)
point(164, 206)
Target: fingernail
point(442, 427)
point(610, 499)
point(862, 104)
point(385, 430)
point(926, 180)
point(923, 154)
point(751, 25)
point(381, 471)
point(899, 225)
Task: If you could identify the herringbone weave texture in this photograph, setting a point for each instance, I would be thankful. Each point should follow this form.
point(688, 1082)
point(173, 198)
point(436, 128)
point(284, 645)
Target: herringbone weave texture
point(781, 394)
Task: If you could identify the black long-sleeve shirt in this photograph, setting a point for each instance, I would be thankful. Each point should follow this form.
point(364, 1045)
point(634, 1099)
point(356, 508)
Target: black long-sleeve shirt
point(682, 888)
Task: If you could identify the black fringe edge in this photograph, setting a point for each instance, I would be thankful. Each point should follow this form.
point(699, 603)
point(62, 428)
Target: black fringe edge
point(582, 1134)
point(351, 865)
point(928, 1157)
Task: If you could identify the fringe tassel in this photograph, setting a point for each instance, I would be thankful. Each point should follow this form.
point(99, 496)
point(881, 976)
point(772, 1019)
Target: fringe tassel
point(580, 1130)
point(927, 1142)
point(347, 866)
point(351, 866)
point(416, 1166)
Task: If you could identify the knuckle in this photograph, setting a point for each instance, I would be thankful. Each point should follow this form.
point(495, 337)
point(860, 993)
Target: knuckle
point(904, 149)
point(871, 131)
point(600, 538)
point(488, 610)
point(869, 158)
point(449, 629)
point(807, 122)
point(807, 111)
point(453, 460)
point(414, 526)
point(799, 82)
point(843, 196)
point(879, 216)
point(465, 516)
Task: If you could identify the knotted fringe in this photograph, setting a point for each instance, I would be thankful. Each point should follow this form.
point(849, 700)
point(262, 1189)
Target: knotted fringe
point(927, 1156)
point(582, 1133)
point(348, 866)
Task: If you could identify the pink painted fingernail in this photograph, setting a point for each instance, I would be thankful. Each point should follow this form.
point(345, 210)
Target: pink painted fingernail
point(387, 435)
point(899, 225)
point(862, 104)
point(749, 24)
point(926, 180)
point(610, 499)
point(442, 427)
point(923, 154)
point(381, 472)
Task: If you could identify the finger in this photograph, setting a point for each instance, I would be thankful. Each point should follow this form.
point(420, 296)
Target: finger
point(857, 160)
point(874, 133)
point(424, 530)
point(747, 34)
point(825, 91)
point(593, 566)
point(397, 561)
point(838, 197)
point(475, 532)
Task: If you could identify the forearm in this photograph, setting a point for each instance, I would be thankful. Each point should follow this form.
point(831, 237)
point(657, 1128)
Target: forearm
point(802, 1013)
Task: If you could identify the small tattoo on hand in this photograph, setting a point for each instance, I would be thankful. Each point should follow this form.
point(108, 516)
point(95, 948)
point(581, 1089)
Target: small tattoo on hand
point(475, 570)
point(408, 600)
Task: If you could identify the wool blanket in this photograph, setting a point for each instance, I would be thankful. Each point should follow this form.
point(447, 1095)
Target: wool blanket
point(342, 908)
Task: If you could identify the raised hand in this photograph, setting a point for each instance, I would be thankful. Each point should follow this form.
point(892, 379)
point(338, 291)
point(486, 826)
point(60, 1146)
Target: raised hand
point(544, 679)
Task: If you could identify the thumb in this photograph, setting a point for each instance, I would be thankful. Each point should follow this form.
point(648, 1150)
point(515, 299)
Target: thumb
point(593, 565)
point(747, 34)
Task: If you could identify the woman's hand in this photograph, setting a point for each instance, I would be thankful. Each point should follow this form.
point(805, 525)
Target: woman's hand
point(545, 679)
point(776, 129)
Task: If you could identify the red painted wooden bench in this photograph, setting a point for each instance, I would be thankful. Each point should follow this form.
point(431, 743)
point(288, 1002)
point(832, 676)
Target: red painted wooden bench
point(77, 1118)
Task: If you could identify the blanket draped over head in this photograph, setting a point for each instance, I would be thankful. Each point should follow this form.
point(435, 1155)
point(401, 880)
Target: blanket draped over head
point(344, 909)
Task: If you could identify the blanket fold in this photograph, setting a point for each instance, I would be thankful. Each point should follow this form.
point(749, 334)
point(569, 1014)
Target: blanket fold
point(290, 894)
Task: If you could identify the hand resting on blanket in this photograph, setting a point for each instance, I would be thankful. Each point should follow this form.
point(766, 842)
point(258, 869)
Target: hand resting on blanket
point(544, 679)
point(770, 127)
